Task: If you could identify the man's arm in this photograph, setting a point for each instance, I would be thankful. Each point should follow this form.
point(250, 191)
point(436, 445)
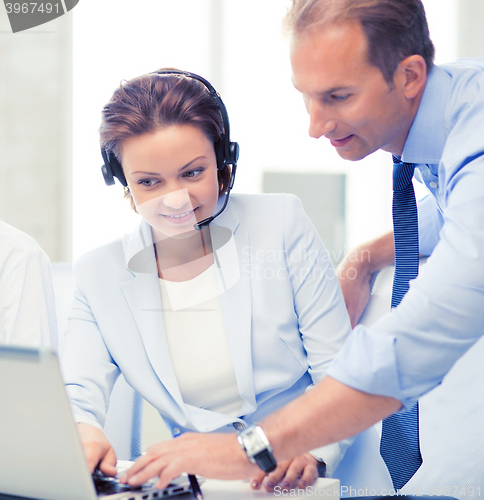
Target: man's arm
point(328, 413)
point(355, 270)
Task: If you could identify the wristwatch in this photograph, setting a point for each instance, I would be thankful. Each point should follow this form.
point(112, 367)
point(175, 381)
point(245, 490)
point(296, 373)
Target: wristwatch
point(256, 445)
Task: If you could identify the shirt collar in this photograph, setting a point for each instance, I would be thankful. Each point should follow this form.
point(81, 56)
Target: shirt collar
point(426, 139)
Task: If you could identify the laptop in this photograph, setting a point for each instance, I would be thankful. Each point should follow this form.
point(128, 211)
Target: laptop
point(41, 456)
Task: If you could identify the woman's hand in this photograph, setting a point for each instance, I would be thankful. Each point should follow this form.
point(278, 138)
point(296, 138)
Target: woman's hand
point(97, 449)
point(301, 471)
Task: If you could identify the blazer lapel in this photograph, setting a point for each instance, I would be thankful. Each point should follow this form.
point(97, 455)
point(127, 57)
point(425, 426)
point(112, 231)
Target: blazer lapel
point(143, 296)
point(236, 301)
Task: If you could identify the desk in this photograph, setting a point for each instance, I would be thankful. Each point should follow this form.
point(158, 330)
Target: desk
point(240, 490)
point(214, 489)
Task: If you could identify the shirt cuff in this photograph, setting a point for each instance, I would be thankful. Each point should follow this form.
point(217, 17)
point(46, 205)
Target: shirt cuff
point(330, 455)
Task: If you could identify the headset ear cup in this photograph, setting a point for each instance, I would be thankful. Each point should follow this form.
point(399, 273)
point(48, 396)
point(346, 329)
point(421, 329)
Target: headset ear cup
point(111, 169)
point(117, 170)
point(220, 154)
point(234, 151)
point(106, 169)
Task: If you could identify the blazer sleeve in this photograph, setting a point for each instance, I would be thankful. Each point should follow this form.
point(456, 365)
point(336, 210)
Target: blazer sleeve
point(323, 320)
point(318, 301)
point(88, 368)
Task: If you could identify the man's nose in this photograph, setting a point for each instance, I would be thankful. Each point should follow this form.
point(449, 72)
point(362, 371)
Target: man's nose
point(176, 199)
point(320, 120)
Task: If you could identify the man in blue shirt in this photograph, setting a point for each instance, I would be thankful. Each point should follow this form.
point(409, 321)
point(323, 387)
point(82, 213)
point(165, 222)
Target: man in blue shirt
point(365, 70)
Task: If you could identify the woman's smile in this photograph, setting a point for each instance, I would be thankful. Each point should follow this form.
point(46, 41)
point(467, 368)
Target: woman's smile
point(180, 218)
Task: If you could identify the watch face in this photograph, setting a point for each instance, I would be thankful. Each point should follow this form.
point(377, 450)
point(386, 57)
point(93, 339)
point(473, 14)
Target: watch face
point(254, 443)
point(258, 449)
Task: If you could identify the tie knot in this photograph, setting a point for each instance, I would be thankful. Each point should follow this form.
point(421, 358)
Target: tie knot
point(402, 173)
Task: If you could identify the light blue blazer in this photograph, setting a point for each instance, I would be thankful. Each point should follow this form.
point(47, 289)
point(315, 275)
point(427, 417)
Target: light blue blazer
point(282, 307)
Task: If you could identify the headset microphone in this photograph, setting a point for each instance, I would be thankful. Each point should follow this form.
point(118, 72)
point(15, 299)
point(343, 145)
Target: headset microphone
point(205, 222)
point(227, 152)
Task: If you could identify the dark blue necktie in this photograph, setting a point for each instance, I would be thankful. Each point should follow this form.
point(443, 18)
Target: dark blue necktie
point(399, 446)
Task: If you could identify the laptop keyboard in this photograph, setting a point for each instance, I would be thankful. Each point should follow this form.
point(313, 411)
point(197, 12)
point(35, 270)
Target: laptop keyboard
point(109, 485)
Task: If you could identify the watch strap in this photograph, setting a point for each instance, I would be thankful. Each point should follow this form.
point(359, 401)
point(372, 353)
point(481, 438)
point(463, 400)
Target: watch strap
point(257, 447)
point(265, 460)
point(321, 468)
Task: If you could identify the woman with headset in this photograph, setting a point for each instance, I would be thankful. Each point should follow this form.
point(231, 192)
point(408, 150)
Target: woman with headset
point(217, 311)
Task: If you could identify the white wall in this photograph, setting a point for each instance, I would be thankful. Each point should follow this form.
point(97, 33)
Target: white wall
point(113, 40)
point(116, 40)
point(35, 132)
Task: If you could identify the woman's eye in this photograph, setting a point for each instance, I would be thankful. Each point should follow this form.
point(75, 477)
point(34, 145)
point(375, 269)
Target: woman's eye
point(192, 173)
point(147, 182)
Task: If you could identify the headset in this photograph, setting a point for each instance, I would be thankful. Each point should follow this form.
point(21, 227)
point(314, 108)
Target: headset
point(227, 152)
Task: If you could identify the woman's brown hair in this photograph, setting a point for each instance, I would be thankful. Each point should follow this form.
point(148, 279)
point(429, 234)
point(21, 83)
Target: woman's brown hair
point(154, 101)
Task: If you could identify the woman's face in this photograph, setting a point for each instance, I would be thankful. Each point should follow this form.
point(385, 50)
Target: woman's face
point(172, 176)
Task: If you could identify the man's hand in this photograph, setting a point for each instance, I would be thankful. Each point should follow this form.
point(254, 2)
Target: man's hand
point(97, 449)
point(299, 472)
point(210, 455)
point(355, 270)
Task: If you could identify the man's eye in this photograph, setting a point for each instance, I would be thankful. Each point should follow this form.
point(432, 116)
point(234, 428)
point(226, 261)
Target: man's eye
point(147, 182)
point(340, 98)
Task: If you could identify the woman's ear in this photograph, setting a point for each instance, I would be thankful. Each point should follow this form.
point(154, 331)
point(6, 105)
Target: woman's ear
point(413, 75)
point(129, 196)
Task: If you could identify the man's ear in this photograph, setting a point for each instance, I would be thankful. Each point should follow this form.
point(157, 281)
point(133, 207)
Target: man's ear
point(412, 75)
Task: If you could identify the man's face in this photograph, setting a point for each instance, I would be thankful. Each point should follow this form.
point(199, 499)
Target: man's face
point(348, 100)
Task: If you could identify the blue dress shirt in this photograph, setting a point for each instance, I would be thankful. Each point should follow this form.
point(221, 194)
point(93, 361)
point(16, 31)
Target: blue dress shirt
point(409, 351)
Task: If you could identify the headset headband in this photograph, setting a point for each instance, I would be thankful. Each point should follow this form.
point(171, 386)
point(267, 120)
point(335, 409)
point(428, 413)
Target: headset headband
point(225, 138)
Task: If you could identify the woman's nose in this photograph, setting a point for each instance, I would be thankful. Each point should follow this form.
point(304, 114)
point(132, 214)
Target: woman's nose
point(176, 199)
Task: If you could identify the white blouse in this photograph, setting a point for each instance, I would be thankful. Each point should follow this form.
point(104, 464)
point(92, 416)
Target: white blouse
point(198, 345)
